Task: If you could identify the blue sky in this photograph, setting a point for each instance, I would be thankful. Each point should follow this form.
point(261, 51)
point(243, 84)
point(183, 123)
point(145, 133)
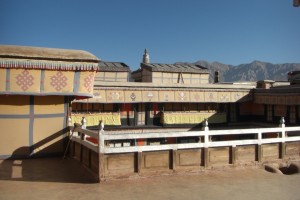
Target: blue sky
point(231, 31)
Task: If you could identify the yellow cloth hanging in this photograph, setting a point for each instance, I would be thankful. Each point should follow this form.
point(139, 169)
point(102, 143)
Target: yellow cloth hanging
point(93, 119)
point(192, 117)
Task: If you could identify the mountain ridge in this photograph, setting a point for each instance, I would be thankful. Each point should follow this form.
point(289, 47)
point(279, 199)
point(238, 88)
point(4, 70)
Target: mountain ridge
point(254, 71)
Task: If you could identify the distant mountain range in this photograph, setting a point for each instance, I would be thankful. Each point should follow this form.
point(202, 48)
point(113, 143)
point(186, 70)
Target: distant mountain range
point(254, 71)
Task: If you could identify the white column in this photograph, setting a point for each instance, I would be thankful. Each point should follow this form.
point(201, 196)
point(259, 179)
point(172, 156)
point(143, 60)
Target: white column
point(206, 130)
point(69, 121)
point(282, 125)
point(282, 122)
point(83, 122)
point(101, 138)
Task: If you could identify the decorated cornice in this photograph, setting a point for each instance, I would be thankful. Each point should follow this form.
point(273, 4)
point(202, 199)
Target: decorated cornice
point(49, 65)
point(146, 95)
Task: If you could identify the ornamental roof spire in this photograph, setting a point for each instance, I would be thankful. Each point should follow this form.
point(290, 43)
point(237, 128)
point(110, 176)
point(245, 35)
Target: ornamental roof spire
point(146, 58)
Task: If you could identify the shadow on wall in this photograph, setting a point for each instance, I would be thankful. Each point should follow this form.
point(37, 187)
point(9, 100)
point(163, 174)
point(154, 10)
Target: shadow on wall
point(44, 166)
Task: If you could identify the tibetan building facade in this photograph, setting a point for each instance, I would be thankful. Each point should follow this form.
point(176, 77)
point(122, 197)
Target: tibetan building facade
point(36, 88)
point(162, 96)
point(275, 102)
point(170, 119)
point(179, 96)
point(40, 88)
point(150, 104)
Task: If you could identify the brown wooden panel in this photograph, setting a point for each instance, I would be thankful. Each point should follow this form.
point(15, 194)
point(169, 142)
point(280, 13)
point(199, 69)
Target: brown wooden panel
point(270, 151)
point(156, 160)
point(120, 163)
point(245, 153)
point(77, 151)
point(292, 149)
point(189, 157)
point(218, 155)
point(94, 162)
point(85, 156)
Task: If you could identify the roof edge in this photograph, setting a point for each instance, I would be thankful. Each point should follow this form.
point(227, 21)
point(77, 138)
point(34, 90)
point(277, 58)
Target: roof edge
point(41, 53)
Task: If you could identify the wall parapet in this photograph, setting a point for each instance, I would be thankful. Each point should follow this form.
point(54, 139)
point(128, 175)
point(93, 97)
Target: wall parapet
point(269, 144)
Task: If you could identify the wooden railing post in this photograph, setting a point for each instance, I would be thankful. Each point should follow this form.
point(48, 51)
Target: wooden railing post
point(101, 138)
point(102, 160)
point(83, 126)
point(282, 122)
point(69, 125)
point(282, 150)
point(207, 139)
point(174, 155)
point(283, 135)
point(259, 148)
point(139, 162)
point(69, 121)
point(83, 122)
point(233, 154)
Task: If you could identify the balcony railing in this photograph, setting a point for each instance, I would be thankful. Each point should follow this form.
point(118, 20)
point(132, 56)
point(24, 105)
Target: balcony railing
point(96, 141)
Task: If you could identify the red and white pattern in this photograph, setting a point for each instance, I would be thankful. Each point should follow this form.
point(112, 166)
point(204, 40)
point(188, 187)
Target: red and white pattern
point(25, 80)
point(89, 82)
point(59, 81)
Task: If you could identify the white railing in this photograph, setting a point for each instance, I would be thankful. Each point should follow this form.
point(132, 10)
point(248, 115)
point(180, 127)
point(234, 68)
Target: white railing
point(79, 134)
point(204, 139)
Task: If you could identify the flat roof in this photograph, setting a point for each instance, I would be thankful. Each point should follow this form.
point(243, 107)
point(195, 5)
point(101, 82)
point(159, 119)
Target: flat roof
point(183, 68)
point(113, 66)
point(40, 53)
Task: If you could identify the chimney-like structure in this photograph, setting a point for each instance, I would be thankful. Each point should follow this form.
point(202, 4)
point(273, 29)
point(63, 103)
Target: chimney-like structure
point(265, 84)
point(146, 58)
point(216, 77)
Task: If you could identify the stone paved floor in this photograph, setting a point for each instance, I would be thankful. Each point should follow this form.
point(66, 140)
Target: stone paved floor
point(55, 178)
